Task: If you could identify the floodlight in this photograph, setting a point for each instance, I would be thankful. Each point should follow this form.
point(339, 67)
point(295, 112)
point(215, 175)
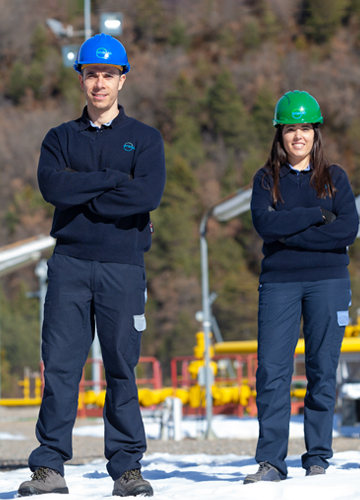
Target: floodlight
point(111, 23)
point(69, 53)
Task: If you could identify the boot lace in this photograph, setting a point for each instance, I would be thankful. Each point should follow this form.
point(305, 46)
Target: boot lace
point(263, 466)
point(131, 475)
point(41, 474)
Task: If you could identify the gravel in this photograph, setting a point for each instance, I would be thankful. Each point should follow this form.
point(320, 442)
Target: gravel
point(21, 422)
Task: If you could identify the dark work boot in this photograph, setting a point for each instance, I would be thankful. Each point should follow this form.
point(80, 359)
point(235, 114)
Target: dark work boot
point(132, 484)
point(266, 472)
point(43, 480)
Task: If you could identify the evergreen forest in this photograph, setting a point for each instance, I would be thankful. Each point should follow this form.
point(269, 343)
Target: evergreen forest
point(207, 74)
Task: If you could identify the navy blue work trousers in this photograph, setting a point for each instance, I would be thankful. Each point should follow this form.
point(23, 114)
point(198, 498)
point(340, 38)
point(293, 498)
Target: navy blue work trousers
point(78, 292)
point(323, 305)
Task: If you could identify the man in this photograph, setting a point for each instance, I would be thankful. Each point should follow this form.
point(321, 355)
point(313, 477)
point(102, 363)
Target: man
point(104, 173)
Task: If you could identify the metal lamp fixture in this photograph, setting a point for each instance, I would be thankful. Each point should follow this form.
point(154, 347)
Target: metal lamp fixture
point(111, 23)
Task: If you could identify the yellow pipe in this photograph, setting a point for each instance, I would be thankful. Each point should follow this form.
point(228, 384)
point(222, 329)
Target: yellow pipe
point(349, 344)
point(298, 393)
point(26, 387)
point(20, 402)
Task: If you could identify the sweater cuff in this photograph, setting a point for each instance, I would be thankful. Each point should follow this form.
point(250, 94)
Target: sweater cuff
point(318, 215)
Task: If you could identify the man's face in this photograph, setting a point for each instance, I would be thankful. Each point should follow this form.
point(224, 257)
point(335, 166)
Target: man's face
point(101, 84)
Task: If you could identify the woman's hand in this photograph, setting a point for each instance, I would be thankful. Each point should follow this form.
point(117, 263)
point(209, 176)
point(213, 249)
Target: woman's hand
point(327, 216)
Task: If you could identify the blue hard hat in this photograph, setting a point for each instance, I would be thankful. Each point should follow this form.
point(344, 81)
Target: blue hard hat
point(102, 49)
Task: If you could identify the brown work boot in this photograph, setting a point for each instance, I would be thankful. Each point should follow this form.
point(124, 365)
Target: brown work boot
point(43, 480)
point(132, 484)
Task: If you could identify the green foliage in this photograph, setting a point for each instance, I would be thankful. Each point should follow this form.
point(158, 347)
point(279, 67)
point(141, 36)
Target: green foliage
point(323, 17)
point(20, 332)
point(150, 20)
point(301, 42)
point(185, 105)
point(184, 98)
point(75, 8)
point(254, 160)
point(262, 115)
point(32, 74)
point(229, 179)
point(8, 381)
point(227, 112)
point(69, 88)
point(176, 246)
point(39, 43)
point(227, 40)
point(16, 86)
point(235, 308)
point(178, 34)
point(11, 220)
point(36, 78)
point(251, 34)
point(271, 23)
point(27, 202)
point(187, 140)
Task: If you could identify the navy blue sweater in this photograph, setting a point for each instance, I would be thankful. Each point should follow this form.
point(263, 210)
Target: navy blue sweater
point(103, 184)
point(312, 250)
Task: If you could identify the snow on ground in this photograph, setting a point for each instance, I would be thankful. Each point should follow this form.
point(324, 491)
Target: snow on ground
point(6, 436)
point(203, 476)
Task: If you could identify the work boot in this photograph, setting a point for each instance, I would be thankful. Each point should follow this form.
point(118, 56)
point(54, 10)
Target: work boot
point(132, 484)
point(43, 480)
point(266, 472)
point(314, 470)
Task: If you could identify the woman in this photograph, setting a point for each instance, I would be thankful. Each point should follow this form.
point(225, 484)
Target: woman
point(305, 212)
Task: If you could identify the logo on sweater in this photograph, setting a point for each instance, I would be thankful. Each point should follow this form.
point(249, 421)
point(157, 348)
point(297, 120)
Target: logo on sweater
point(298, 113)
point(129, 147)
point(103, 53)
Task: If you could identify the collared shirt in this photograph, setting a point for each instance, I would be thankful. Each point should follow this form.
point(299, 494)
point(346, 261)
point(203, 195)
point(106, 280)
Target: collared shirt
point(103, 125)
point(303, 170)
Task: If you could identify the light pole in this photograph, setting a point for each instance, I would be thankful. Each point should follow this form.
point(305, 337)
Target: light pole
point(87, 19)
point(110, 24)
point(223, 211)
point(41, 273)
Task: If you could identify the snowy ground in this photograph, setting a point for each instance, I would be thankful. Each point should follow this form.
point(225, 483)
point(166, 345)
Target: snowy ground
point(210, 477)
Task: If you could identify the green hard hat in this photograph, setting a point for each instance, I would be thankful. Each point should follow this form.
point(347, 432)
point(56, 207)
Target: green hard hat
point(297, 107)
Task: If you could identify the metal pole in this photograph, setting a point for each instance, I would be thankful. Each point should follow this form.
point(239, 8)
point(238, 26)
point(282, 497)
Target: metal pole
point(87, 19)
point(206, 323)
point(0, 355)
point(96, 350)
point(41, 273)
point(96, 366)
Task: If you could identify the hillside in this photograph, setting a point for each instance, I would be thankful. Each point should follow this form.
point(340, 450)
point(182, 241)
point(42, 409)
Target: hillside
point(207, 74)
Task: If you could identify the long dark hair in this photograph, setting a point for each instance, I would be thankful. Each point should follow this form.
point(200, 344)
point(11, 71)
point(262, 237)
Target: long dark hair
point(321, 176)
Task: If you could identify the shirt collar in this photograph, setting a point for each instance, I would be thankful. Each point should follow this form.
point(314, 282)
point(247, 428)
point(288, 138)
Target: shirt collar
point(103, 125)
point(292, 168)
point(85, 122)
point(287, 168)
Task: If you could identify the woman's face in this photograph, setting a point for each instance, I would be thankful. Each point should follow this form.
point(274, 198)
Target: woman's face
point(298, 140)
